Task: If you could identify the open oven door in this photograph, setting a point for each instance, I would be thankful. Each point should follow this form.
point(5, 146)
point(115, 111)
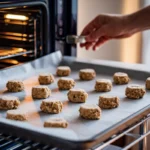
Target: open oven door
point(24, 32)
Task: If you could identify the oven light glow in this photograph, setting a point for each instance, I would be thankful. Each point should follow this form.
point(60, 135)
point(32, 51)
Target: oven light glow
point(16, 17)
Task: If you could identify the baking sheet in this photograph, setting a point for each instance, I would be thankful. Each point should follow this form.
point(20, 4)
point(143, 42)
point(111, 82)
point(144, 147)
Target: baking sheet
point(78, 129)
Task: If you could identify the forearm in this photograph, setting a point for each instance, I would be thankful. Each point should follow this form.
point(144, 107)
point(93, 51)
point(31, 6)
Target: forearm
point(139, 21)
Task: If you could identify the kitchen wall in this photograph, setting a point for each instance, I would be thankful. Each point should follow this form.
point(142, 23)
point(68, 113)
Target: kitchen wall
point(146, 43)
point(117, 50)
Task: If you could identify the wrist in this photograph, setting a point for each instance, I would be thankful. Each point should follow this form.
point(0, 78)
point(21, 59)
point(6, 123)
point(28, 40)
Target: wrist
point(130, 23)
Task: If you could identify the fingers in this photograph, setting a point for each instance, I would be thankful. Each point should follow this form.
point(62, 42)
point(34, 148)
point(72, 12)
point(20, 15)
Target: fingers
point(95, 35)
point(100, 41)
point(94, 24)
point(87, 45)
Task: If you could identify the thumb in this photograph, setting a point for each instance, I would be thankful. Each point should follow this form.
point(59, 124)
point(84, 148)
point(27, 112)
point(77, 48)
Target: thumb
point(95, 35)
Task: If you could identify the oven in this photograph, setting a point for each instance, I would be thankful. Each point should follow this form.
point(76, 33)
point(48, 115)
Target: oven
point(24, 32)
point(31, 29)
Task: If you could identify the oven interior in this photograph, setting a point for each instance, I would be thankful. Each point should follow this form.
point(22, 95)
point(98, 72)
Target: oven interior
point(21, 34)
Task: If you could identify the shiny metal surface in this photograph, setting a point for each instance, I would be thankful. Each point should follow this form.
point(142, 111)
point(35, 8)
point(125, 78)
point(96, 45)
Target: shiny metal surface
point(138, 138)
point(8, 142)
point(74, 39)
point(98, 131)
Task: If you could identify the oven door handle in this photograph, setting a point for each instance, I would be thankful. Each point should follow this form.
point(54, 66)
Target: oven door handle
point(72, 39)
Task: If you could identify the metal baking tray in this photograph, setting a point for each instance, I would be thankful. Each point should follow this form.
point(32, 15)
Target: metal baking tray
point(80, 133)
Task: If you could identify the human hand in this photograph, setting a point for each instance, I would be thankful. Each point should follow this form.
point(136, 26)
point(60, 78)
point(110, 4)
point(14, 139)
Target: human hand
point(104, 28)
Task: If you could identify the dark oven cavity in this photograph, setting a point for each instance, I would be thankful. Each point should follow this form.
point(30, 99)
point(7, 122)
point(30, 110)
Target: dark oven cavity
point(23, 31)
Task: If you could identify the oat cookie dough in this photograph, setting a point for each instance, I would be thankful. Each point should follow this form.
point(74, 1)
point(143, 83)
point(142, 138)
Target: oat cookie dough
point(56, 122)
point(103, 85)
point(87, 74)
point(88, 111)
point(51, 106)
point(9, 102)
point(121, 78)
point(135, 91)
point(15, 86)
point(63, 71)
point(65, 83)
point(108, 102)
point(77, 95)
point(16, 115)
point(148, 83)
point(41, 91)
point(46, 78)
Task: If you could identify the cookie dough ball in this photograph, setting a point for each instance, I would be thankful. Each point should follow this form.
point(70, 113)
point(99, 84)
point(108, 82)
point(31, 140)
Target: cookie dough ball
point(121, 78)
point(46, 79)
point(88, 111)
point(51, 106)
point(87, 74)
point(16, 115)
point(103, 85)
point(77, 95)
point(63, 71)
point(135, 91)
point(108, 102)
point(65, 83)
point(41, 91)
point(148, 83)
point(9, 102)
point(56, 122)
point(15, 86)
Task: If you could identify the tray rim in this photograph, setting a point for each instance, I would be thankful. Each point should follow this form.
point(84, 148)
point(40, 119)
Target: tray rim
point(74, 144)
point(91, 141)
point(111, 64)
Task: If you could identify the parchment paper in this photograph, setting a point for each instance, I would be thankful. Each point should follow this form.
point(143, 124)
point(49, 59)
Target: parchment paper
point(78, 129)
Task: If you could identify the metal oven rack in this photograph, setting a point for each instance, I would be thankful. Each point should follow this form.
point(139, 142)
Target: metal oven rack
point(7, 55)
point(8, 142)
point(140, 138)
point(25, 34)
point(14, 143)
point(16, 54)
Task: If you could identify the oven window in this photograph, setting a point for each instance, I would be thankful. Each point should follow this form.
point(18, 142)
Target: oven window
point(21, 36)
